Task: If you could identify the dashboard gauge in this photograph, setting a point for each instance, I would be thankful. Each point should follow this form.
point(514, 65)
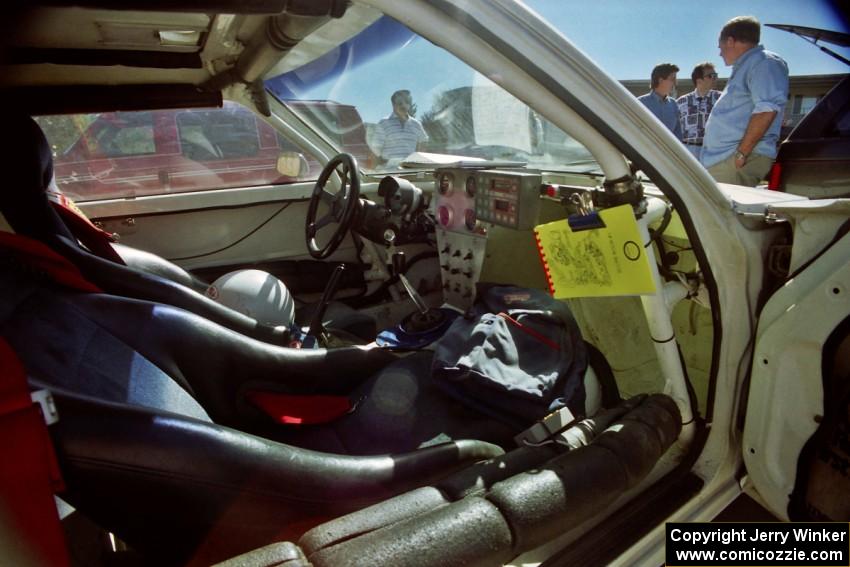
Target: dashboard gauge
point(469, 218)
point(446, 183)
point(471, 186)
point(445, 215)
point(401, 196)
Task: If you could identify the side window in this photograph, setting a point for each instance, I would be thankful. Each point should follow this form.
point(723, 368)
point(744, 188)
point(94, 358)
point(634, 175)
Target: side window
point(841, 128)
point(216, 135)
point(341, 124)
point(123, 135)
point(128, 154)
point(284, 144)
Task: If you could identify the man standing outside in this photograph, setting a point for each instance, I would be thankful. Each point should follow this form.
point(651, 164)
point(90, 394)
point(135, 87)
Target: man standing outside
point(743, 128)
point(659, 101)
point(399, 134)
point(695, 107)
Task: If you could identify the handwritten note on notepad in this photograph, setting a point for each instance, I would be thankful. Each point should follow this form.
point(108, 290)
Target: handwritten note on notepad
point(595, 262)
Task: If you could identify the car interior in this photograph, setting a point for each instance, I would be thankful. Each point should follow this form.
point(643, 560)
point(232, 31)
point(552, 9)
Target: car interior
point(303, 395)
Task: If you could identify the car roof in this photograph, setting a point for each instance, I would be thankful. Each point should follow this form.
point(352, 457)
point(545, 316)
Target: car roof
point(86, 55)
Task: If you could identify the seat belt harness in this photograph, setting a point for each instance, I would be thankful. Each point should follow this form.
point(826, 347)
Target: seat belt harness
point(29, 472)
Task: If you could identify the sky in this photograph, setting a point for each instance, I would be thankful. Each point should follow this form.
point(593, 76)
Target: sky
point(642, 33)
point(626, 38)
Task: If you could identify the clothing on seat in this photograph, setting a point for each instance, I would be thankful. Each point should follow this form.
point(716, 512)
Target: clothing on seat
point(518, 358)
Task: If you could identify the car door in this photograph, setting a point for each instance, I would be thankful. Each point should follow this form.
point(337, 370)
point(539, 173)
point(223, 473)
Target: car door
point(796, 434)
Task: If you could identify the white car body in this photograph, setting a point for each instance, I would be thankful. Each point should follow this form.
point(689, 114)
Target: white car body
point(763, 373)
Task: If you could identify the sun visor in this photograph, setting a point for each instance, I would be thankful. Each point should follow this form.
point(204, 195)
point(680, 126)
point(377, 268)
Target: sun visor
point(329, 38)
point(80, 99)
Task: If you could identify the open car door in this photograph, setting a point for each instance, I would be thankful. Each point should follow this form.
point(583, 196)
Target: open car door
point(814, 35)
point(796, 433)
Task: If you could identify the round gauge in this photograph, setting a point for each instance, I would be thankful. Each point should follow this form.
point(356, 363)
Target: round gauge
point(446, 184)
point(400, 195)
point(445, 215)
point(469, 217)
point(470, 186)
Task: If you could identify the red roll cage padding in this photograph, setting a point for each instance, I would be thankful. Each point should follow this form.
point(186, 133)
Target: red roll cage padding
point(29, 472)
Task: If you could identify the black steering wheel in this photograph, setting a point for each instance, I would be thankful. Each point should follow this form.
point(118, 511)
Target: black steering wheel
point(343, 204)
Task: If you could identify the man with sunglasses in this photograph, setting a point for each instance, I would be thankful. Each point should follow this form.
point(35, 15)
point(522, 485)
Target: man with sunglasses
point(695, 107)
point(743, 129)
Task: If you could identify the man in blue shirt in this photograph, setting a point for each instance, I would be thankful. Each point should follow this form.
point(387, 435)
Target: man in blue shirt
point(399, 134)
point(743, 129)
point(659, 101)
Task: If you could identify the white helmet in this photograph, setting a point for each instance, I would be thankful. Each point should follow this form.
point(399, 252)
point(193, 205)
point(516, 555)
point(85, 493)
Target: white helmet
point(257, 294)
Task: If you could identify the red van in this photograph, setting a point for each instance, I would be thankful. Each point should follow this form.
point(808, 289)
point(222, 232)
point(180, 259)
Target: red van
point(128, 154)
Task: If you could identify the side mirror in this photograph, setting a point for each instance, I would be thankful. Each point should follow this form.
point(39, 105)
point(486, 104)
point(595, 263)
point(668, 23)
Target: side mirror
point(293, 164)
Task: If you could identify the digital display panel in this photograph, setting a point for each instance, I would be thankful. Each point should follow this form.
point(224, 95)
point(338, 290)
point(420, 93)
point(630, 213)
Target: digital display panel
point(503, 198)
point(504, 185)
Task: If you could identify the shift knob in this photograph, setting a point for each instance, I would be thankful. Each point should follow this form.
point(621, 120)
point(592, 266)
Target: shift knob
point(399, 262)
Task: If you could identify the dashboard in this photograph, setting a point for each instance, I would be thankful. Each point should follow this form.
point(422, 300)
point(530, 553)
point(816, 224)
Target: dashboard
point(467, 198)
point(467, 202)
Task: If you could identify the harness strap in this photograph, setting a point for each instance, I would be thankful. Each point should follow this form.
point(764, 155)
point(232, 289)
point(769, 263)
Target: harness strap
point(29, 471)
point(95, 239)
point(37, 256)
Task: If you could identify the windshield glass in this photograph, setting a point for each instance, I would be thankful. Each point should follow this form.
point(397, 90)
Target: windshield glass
point(394, 100)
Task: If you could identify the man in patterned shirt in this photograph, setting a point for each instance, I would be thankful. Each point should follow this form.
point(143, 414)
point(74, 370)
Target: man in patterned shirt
point(695, 107)
point(399, 134)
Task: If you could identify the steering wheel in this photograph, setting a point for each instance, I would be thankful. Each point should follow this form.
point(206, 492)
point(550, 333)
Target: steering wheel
point(343, 204)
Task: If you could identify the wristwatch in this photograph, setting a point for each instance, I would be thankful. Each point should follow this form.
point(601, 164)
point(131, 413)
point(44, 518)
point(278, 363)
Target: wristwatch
point(740, 155)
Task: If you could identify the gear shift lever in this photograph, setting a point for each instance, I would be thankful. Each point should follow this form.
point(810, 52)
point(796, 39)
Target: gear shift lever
point(398, 269)
point(330, 290)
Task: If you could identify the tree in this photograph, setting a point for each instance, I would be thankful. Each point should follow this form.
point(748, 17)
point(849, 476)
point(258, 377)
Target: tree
point(449, 122)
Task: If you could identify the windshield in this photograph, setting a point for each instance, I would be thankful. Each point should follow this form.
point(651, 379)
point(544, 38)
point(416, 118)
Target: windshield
point(394, 100)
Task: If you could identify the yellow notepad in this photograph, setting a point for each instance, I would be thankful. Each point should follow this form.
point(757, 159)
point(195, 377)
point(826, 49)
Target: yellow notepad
point(595, 262)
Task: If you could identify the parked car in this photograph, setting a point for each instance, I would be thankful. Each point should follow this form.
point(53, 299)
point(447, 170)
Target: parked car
point(132, 154)
point(698, 332)
point(814, 159)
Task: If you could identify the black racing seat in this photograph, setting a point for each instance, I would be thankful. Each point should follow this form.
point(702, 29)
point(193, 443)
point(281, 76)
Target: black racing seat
point(152, 425)
point(120, 269)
